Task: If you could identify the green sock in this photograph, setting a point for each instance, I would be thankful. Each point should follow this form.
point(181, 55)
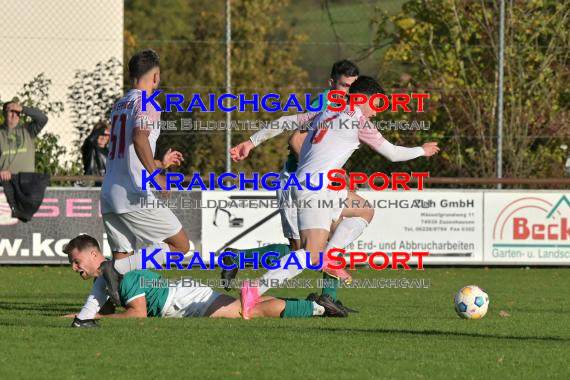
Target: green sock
point(297, 309)
point(281, 249)
point(330, 290)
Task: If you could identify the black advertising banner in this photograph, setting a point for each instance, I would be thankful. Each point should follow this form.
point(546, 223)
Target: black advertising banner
point(65, 213)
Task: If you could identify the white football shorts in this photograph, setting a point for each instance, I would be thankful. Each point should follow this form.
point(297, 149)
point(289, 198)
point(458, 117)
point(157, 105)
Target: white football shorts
point(138, 229)
point(319, 209)
point(189, 301)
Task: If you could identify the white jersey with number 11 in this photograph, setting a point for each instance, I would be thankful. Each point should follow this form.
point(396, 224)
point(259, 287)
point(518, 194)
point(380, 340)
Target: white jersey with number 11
point(121, 191)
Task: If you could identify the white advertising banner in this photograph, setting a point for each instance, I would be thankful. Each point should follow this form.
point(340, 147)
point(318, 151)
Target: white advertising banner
point(527, 228)
point(456, 227)
point(448, 224)
point(227, 215)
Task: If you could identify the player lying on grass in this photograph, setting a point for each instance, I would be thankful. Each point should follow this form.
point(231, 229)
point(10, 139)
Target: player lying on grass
point(143, 297)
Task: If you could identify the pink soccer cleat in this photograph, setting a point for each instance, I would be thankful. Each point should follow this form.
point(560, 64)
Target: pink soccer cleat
point(249, 297)
point(339, 274)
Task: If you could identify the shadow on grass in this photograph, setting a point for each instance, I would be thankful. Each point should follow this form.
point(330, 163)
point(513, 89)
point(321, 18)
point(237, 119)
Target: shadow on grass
point(441, 333)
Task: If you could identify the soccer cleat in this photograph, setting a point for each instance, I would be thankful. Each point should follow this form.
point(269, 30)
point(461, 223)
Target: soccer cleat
point(347, 309)
point(112, 279)
point(229, 274)
point(249, 297)
point(312, 297)
point(84, 323)
point(331, 308)
point(339, 274)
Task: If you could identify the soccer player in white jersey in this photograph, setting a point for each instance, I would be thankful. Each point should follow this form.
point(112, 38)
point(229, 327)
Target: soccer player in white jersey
point(133, 144)
point(324, 150)
point(343, 74)
point(132, 148)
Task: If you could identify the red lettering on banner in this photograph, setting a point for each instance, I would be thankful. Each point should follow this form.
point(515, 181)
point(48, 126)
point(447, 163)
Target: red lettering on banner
point(522, 230)
point(73, 205)
point(71, 208)
point(48, 209)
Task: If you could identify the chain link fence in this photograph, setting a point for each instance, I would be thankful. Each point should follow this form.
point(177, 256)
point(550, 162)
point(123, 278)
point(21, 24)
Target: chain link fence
point(46, 43)
point(288, 47)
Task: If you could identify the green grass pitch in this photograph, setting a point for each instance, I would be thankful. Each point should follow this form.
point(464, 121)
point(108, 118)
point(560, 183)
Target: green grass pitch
point(399, 333)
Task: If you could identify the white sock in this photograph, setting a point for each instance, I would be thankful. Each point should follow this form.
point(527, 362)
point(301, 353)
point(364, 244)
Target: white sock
point(96, 299)
point(348, 230)
point(318, 309)
point(134, 261)
point(282, 274)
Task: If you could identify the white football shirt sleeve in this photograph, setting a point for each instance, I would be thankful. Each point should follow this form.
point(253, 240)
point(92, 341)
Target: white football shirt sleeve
point(283, 123)
point(95, 300)
point(374, 139)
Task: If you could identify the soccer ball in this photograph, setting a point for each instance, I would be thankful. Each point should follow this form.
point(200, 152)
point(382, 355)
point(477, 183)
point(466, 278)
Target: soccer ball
point(471, 302)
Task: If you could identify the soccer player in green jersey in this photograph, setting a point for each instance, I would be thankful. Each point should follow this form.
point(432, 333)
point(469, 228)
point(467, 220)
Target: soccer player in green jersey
point(343, 74)
point(145, 293)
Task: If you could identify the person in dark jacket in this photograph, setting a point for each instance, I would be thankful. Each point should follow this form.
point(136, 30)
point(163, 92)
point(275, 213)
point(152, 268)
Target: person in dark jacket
point(94, 151)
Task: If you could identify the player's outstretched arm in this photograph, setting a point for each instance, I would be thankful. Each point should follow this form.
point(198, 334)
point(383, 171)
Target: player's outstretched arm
point(241, 151)
point(95, 301)
point(396, 153)
point(135, 309)
point(392, 152)
point(430, 149)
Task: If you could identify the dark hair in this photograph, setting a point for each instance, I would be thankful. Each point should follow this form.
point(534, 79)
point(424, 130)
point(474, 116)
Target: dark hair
point(141, 63)
point(5, 105)
point(81, 242)
point(366, 86)
point(344, 67)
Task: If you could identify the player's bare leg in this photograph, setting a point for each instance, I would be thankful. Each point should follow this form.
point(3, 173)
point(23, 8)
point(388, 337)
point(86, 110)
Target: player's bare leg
point(178, 242)
point(121, 255)
point(355, 218)
point(270, 307)
point(228, 307)
point(366, 213)
point(334, 225)
point(281, 249)
point(315, 242)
